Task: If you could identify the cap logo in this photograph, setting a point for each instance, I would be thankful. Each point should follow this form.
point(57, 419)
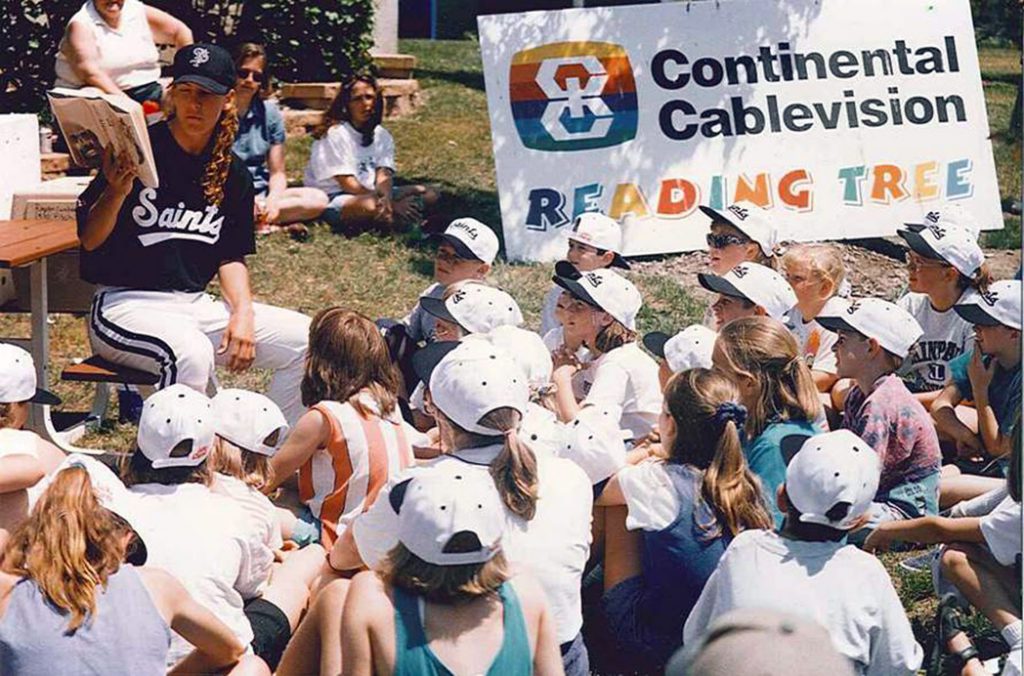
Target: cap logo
point(990, 297)
point(595, 280)
point(470, 230)
point(740, 212)
point(458, 296)
point(854, 306)
point(938, 232)
point(933, 216)
point(199, 56)
point(740, 271)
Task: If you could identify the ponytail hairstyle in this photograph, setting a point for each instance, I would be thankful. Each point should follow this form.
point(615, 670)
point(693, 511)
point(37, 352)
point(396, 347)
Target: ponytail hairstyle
point(763, 350)
point(338, 110)
point(69, 546)
point(515, 469)
point(703, 404)
point(979, 282)
point(612, 336)
point(216, 172)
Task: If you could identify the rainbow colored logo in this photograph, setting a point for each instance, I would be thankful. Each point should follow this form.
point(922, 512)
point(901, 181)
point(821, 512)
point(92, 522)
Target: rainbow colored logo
point(573, 96)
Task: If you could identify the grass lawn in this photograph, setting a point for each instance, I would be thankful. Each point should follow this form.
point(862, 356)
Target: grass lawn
point(448, 143)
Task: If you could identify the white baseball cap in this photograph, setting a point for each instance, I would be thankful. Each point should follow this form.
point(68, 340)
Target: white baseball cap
point(18, 378)
point(1000, 304)
point(112, 495)
point(750, 219)
point(451, 517)
point(757, 283)
point(601, 232)
point(249, 420)
point(475, 307)
point(467, 380)
point(595, 442)
point(689, 349)
point(526, 348)
point(894, 328)
point(604, 289)
point(541, 430)
point(176, 428)
point(471, 239)
point(829, 469)
point(945, 238)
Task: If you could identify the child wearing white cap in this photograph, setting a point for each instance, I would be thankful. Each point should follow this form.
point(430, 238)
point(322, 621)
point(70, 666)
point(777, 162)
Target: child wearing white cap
point(668, 520)
point(445, 600)
point(478, 396)
point(761, 357)
point(944, 263)
point(198, 536)
point(742, 232)
point(990, 375)
point(875, 336)
point(749, 290)
point(691, 348)
point(471, 307)
point(817, 274)
point(623, 375)
point(807, 567)
point(595, 242)
point(466, 250)
point(352, 438)
point(96, 600)
point(25, 457)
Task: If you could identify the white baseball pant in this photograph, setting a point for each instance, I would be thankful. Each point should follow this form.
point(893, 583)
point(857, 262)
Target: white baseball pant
point(175, 334)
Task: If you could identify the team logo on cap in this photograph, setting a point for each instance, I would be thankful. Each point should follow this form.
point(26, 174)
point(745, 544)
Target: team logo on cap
point(458, 297)
point(199, 56)
point(469, 229)
point(990, 297)
point(933, 216)
point(739, 211)
point(938, 232)
point(852, 309)
point(573, 96)
point(739, 271)
point(595, 280)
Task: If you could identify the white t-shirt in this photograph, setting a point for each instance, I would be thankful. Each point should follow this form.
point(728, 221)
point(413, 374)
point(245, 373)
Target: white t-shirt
point(844, 589)
point(1001, 530)
point(652, 502)
point(547, 310)
point(22, 442)
point(341, 153)
point(263, 528)
point(127, 53)
point(627, 377)
point(200, 538)
point(946, 336)
point(815, 342)
point(553, 546)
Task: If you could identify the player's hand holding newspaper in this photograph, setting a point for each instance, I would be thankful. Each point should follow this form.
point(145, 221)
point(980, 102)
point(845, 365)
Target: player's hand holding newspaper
point(92, 120)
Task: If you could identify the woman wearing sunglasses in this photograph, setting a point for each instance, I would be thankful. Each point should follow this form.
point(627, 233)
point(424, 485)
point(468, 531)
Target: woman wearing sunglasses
point(260, 144)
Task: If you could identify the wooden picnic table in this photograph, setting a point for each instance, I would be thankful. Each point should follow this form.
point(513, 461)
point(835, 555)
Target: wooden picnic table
point(27, 243)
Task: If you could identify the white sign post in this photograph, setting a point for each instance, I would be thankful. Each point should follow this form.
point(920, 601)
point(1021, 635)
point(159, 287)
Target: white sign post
point(846, 118)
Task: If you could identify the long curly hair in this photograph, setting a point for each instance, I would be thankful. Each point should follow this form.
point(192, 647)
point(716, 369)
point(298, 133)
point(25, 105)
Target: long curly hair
point(338, 110)
point(216, 171)
point(69, 546)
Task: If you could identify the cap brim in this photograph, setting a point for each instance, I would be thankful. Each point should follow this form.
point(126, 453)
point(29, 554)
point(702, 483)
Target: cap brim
point(427, 358)
point(209, 84)
point(919, 246)
point(720, 285)
point(461, 250)
point(834, 324)
point(576, 289)
point(790, 444)
point(620, 262)
point(655, 343)
point(974, 314)
point(45, 397)
point(436, 307)
point(716, 215)
point(567, 270)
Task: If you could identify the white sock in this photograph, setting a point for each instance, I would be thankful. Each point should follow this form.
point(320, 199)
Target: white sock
point(1012, 634)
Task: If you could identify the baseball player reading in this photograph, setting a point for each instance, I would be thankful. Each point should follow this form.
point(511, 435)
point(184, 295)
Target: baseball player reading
point(153, 251)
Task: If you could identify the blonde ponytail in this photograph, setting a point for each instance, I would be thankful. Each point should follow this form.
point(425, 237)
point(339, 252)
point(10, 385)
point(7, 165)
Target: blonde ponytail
point(216, 172)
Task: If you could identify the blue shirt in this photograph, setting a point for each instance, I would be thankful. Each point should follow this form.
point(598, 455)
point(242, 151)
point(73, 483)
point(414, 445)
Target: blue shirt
point(1003, 393)
point(764, 457)
point(260, 128)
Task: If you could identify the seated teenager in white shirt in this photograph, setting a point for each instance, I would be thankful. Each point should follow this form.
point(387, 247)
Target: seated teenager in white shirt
point(808, 568)
point(623, 375)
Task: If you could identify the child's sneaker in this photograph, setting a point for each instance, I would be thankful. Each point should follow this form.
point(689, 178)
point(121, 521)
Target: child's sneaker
point(922, 563)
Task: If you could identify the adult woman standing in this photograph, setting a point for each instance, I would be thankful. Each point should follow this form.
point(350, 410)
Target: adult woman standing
point(260, 144)
point(153, 251)
point(111, 44)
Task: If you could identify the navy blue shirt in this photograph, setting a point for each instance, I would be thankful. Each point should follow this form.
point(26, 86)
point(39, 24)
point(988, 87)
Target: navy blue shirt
point(1003, 393)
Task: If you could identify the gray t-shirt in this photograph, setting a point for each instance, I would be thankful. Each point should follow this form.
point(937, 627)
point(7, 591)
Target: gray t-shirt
point(946, 336)
point(419, 323)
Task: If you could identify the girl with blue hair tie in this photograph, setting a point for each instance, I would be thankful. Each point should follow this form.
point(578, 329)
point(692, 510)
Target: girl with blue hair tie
point(669, 519)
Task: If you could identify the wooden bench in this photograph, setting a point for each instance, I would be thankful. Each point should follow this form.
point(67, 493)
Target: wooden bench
point(96, 369)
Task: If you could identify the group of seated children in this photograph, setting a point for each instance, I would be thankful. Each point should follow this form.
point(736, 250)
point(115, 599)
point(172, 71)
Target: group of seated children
point(463, 495)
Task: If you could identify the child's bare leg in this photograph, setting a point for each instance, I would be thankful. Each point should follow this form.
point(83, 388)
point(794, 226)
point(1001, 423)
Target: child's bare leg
point(622, 548)
point(316, 645)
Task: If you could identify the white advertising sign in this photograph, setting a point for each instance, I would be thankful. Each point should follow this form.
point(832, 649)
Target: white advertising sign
point(845, 118)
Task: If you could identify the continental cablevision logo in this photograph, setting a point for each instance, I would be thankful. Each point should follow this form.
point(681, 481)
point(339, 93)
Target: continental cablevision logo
point(573, 96)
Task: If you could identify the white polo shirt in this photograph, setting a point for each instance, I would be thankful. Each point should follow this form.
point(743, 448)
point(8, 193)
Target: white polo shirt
point(627, 377)
point(1001, 530)
point(553, 546)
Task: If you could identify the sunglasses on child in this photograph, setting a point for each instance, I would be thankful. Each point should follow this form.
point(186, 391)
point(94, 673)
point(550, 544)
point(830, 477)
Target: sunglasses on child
point(722, 241)
point(246, 73)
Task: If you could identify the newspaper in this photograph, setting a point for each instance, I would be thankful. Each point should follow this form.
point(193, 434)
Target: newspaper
point(91, 120)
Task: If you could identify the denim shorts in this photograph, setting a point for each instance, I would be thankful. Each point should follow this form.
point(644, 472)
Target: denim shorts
point(646, 647)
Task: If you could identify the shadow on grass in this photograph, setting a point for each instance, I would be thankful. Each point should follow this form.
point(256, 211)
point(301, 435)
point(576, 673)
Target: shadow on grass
point(466, 78)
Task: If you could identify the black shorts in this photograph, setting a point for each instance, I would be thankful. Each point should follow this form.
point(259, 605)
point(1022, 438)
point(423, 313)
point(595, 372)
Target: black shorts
point(270, 630)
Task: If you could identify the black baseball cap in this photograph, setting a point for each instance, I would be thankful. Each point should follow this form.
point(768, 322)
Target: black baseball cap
point(209, 66)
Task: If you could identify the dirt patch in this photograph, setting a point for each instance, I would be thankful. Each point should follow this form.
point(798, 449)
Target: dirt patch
point(871, 273)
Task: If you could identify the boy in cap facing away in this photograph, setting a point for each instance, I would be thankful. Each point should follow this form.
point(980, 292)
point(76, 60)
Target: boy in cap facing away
point(990, 375)
point(807, 566)
point(874, 337)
